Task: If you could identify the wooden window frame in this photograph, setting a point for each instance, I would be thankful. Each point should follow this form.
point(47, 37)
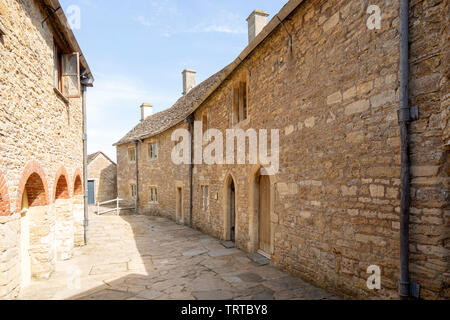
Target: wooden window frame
point(204, 196)
point(152, 151)
point(133, 190)
point(60, 58)
point(130, 158)
point(239, 111)
point(153, 195)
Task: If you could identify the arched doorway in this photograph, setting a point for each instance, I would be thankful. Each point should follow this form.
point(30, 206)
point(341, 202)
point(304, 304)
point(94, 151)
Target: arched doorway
point(64, 229)
point(36, 254)
point(230, 209)
point(264, 221)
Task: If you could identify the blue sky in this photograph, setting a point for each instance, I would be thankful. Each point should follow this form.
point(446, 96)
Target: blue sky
point(137, 50)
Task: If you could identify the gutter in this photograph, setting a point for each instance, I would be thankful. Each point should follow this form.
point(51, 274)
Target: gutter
point(405, 116)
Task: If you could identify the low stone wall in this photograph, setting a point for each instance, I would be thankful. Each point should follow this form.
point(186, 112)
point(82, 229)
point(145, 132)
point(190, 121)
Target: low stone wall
point(9, 256)
point(78, 220)
point(64, 229)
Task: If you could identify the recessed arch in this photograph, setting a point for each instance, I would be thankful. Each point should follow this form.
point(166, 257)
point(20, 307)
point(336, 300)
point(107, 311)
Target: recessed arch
point(77, 183)
point(5, 209)
point(230, 217)
point(61, 189)
point(254, 182)
point(34, 183)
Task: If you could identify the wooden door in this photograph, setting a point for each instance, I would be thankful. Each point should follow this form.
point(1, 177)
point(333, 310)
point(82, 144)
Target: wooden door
point(179, 206)
point(232, 212)
point(264, 215)
point(91, 192)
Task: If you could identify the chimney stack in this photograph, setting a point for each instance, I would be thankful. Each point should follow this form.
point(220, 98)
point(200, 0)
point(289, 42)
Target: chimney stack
point(188, 80)
point(146, 111)
point(256, 22)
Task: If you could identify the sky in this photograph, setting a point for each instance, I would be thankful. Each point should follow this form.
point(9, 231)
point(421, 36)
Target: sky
point(137, 50)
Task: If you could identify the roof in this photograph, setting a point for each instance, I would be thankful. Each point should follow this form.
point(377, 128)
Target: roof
point(63, 26)
point(187, 105)
point(92, 157)
point(161, 121)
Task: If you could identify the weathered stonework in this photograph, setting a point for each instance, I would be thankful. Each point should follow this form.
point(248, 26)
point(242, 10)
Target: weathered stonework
point(41, 148)
point(336, 199)
point(103, 172)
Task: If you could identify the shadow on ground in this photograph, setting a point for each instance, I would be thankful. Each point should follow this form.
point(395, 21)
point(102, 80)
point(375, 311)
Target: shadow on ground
point(140, 257)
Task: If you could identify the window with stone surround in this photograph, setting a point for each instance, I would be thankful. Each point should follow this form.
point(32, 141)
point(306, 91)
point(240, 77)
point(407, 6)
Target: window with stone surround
point(131, 154)
point(154, 195)
point(153, 151)
point(240, 101)
point(205, 198)
point(66, 72)
point(133, 190)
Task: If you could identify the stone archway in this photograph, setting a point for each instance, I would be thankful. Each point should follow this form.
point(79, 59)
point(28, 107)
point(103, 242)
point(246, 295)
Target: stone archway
point(37, 225)
point(78, 208)
point(230, 209)
point(261, 206)
point(64, 229)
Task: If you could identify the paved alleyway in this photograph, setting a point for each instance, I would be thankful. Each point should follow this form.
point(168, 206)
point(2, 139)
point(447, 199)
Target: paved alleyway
point(138, 257)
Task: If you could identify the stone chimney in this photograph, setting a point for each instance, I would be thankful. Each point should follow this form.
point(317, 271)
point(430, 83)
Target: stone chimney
point(146, 111)
point(188, 80)
point(256, 22)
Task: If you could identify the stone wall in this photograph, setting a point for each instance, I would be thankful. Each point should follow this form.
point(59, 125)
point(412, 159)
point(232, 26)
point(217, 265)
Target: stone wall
point(334, 97)
point(160, 173)
point(40, 132)
point(104, 173)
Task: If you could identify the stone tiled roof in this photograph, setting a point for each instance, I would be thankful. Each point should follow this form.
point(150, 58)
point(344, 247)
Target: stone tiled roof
point(166, 119)
point(186, 105)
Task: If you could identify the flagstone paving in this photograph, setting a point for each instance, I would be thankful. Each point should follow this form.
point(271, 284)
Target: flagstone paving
point(139, 258)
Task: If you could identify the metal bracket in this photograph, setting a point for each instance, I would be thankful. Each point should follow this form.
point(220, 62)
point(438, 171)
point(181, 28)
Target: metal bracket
point(408, 115)
point(410, 289)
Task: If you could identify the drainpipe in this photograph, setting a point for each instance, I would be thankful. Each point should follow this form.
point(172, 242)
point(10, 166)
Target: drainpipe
point(405, 116)
point(136, 145)
point(86, 81)
point(190, 120)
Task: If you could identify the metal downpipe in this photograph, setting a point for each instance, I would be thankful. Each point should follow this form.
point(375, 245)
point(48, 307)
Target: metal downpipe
point(404, 119)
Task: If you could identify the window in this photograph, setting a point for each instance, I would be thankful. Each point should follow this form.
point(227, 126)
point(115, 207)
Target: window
point(66, 72)
point(205, 122)
point(133, 190)
point(240, 109)
point(153, 195)
point(205, 198)
point(153, 151)
point(132, 154)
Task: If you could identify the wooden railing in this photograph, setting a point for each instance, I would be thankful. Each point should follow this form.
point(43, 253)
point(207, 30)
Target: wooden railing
point(117, 208)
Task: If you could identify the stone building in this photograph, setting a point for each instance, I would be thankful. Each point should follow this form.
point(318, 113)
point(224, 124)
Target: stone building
point(102, 178)
point(41, 141)
point(331, 86)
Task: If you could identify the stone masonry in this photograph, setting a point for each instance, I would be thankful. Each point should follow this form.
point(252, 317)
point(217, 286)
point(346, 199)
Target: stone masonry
point(334, 97)
point(103, 171)
point(41, 147)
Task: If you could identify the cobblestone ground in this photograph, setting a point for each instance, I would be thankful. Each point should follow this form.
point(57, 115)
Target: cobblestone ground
point(138, 257)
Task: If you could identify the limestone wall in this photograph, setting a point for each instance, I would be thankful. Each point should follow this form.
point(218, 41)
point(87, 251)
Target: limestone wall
point(336, 199)
point(40, 132)
point(104, 173)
